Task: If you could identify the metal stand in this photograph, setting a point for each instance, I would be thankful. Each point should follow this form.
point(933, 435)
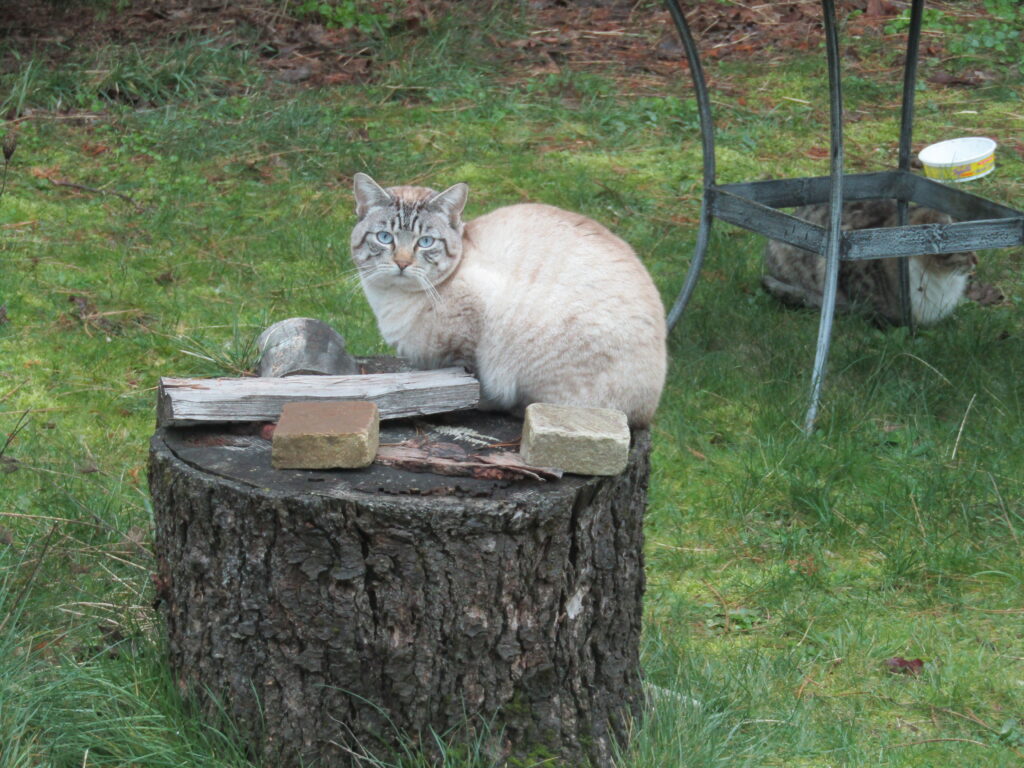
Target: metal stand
point(755, 205)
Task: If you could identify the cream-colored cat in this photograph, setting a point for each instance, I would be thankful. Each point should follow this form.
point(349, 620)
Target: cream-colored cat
point(543, 305)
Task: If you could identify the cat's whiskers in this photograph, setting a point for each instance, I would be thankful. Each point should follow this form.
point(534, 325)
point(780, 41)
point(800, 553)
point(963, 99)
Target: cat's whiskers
point(420, 275)
point(370, 274)
point(352, 275)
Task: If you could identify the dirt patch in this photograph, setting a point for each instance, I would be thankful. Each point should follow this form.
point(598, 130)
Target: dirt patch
point(631, 38)
point(296, 50)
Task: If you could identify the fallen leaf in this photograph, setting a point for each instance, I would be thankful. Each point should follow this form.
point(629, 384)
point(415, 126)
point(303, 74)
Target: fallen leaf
point(295, 74)
point(962, 78)
point(985, 294)
point(51, 173)
point(897, 665)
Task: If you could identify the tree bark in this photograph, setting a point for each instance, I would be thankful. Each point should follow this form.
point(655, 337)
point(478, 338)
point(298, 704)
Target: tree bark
point(333, 614)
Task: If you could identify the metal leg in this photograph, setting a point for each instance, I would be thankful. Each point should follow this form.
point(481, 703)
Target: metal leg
point(693, 274)
point(828, 304)
point(909, 83)
point(906, 132)
point(707, 132)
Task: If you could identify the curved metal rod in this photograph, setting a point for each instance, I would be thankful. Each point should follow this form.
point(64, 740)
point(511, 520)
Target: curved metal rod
point(693, 274)
point(906, 132)
point(828, 304)
point(707, 132)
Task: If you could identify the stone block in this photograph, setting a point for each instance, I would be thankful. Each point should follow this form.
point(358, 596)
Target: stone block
point(586, 441)
point(326, 435)
point(302, 345)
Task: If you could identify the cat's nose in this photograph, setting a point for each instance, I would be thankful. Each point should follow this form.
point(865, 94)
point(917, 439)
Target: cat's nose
point(402, 258)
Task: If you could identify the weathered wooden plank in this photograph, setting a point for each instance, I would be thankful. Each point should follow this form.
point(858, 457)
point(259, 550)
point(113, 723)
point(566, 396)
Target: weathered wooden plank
point(189, 402)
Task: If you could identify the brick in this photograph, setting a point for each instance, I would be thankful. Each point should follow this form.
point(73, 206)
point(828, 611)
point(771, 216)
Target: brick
point(326, 435)
point(586, 441)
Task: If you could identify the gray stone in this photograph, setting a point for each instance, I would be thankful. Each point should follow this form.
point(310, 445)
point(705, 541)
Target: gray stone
point(586, 441)
point(326, 435)
point(302, 345)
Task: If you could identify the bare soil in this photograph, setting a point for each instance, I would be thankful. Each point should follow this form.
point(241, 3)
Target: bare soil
point(632, 39)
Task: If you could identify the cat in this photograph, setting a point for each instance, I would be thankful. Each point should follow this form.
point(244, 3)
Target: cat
point(543, 305)
point(937, 281)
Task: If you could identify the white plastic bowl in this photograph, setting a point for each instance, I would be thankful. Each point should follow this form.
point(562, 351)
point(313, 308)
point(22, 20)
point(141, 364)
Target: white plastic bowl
point(959, 159)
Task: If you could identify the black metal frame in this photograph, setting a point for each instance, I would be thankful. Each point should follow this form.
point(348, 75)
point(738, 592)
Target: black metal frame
point(755, 205)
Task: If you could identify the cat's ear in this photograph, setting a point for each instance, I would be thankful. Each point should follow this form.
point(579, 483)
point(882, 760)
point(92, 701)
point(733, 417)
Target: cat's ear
point(451, 201)
point(369, 194)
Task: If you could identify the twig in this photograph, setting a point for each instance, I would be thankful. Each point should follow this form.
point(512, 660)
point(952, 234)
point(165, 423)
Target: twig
point(960, 432)
point(917, 514)
point(20, 425)
point(35, 410)
point(11, 391)
point(684, 549)
point(94, 190)
point(809, 679)
point(995, 610)
point(768, 720)
point(51, 519)
point(126, 562)
point(721, 601)
point(3, 185)
point(806, 632)
point(804, 683)
point(969, 716)
point(927, 365)
point(933, 741)
point(32, 577)
point(1002, 508)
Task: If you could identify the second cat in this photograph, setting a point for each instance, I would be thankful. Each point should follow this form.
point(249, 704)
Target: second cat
point(937, 281)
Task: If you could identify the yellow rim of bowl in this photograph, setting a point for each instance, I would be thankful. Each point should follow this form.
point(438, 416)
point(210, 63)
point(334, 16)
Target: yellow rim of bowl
point(961, 172)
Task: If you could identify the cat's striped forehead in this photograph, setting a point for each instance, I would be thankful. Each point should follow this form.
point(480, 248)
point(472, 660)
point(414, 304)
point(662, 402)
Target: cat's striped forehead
point(407, 206)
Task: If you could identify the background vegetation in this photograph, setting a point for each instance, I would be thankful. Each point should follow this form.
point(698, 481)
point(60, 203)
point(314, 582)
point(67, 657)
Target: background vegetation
point(852, 598)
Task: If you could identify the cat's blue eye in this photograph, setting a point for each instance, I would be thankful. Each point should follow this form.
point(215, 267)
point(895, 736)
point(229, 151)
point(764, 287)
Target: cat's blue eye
point(425, 242)
point(386, 238)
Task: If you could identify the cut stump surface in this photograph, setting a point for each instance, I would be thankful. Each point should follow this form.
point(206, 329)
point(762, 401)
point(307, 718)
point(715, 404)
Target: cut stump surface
point(337, 612)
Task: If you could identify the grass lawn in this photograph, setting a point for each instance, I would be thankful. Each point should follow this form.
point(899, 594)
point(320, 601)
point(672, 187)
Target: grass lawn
point(788, 575)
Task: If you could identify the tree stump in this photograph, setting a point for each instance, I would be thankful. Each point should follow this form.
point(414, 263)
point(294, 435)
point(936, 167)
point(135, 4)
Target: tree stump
point(337, 613)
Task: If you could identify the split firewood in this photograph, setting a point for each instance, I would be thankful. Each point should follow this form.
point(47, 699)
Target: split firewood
point(421, 455)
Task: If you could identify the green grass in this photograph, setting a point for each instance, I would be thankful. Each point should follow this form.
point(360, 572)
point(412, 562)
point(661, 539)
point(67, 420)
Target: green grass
point(783, 570)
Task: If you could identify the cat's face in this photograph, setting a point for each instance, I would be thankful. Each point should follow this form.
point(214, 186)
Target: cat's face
point(961, 262)
point(406, 238)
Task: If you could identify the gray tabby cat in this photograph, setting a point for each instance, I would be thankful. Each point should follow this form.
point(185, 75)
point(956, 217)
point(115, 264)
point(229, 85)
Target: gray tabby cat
point(543, 305)
point(937, 282)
